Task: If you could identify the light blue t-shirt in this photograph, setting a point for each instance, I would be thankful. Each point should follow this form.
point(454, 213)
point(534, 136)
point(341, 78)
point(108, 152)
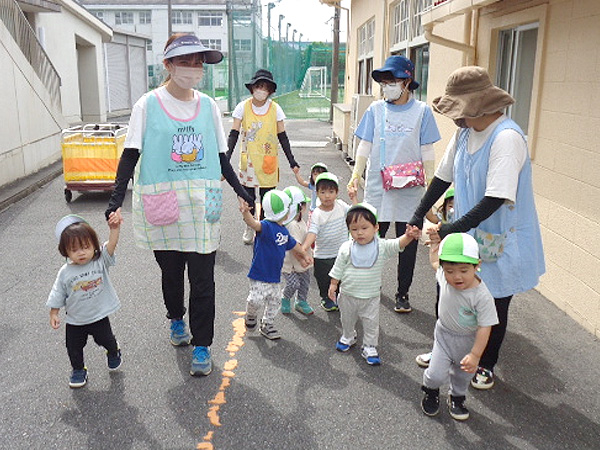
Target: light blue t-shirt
point(85, 291)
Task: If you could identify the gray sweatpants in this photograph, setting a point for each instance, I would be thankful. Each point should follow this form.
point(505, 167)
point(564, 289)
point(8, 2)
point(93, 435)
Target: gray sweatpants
point(449, 348)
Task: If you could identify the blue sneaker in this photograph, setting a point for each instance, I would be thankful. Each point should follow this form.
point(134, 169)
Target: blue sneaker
point(371, 356)
point(286, 306)
point(78, 378)
point(201, 362)
point(115, 360)
point(303, 307)
point(343, 347)
point(179, 333)
point(329, 305)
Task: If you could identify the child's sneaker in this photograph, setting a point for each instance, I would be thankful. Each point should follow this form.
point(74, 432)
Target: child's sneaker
point(483, 379)
point(456, 406)
point(303, 307)
point(342, 346)
point(431, 401)
point(114, 360)
point(269, 331)
point(329, 305)
point(250, 322)
point(201, 361)
point(371, 356)
point(286, 307)
point(402, 304)
point(423, 360)
point(78, 378)
point(179, 333)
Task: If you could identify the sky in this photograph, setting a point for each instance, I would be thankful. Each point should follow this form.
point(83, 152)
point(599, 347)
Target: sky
point(309, 17)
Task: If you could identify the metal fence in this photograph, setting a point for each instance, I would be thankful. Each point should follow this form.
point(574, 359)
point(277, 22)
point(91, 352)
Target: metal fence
point(20, 29)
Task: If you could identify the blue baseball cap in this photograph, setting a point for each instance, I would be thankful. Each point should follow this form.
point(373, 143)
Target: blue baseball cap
point(399, 67)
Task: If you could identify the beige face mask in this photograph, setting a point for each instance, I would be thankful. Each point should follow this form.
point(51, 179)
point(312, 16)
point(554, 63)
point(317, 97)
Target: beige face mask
point(260, 94)
point(187, 77)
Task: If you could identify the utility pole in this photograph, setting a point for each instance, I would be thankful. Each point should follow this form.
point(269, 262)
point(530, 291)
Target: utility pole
point(270, 6)
point(169, 19)
point(287, 30)
point(281, 16)
point(335, 62)
point(229, 15)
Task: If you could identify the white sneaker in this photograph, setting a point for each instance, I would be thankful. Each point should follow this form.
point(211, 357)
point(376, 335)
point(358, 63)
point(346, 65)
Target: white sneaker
point(248, 236)
point(423, 359)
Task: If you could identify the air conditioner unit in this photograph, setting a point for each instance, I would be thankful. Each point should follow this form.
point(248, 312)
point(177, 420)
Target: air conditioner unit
point(360, 103)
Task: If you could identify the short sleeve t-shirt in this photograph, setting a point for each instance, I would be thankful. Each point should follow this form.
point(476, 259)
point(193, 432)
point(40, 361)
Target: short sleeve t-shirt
point(238, 112)
point(464, 311)
point(270, 246)
point(330, 228)
point(85, 291)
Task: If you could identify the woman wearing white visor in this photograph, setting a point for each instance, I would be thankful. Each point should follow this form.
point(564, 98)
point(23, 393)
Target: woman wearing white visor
point(176, 134)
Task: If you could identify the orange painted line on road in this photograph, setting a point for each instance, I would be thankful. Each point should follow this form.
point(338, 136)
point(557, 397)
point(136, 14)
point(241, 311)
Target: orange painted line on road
point(236, 342)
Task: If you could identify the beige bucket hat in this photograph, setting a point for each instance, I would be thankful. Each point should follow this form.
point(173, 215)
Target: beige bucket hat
point(470, 93)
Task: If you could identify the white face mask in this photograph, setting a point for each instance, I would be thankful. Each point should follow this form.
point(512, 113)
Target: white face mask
point(260, 94)
point(393, 92)
point(187, 77)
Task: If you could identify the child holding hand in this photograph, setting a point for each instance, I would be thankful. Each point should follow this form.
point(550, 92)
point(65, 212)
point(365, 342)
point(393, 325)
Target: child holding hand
point(466, 315)
point(272, 241)
point(357, 272)
point(84, 289)
point(316, 170)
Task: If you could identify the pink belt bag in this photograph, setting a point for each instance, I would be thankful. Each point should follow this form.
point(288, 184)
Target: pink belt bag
point(398, 176)
point(402, 176)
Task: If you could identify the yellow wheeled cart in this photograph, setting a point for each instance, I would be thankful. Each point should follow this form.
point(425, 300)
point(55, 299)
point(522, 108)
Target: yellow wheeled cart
point(90, 155)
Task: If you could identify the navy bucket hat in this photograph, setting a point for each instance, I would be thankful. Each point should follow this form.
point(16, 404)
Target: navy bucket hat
point(261, 75)
point(399, 67)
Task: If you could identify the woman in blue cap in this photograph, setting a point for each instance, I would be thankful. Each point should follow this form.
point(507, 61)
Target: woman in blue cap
point(398, 131)
point(177, 134)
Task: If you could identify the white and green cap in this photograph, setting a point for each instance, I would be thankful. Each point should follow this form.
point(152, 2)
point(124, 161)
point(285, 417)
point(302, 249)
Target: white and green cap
point(319, 164)
point(459, 248)
point(364, 205)
point(297, 196)
point(327, 176)
point(276, 205)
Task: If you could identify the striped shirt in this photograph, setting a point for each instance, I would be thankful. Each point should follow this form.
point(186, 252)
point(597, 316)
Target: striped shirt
point(330, 228)
point(363, 282)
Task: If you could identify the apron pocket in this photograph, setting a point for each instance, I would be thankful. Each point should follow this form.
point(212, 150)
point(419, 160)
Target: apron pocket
point(243, 161)
point(269, 165)
point(161, 209)
point(213, 204)
point(491, 246)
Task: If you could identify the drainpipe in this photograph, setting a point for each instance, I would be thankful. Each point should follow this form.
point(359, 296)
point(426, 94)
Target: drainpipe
point(467, 49)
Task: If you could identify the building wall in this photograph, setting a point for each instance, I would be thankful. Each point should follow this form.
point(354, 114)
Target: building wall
point(563, 130)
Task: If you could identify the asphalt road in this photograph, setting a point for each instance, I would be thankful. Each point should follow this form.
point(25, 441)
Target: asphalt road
point(295, 393)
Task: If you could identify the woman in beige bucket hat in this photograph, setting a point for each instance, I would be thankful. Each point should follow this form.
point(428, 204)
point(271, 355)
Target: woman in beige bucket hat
point(488, 162)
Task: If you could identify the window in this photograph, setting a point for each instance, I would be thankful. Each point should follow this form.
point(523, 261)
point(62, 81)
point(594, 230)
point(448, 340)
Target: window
point(148, 46)
point(420, 57)
point(210, 19)
point(420, 6)
point(366, 44)
point(400, 21)
point(215, 44)
point(242, 17)
point(98, 14)
point(145, 17)
point(123, 18)
point(181, 18)
point(516, 60)
point(244, 45)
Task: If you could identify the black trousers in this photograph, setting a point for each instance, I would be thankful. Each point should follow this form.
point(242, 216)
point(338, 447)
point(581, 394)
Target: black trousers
point(321, 270)
point(77, 336)
point(406, 259)
point(201, 276)
point(252, 193)
point(492, 350)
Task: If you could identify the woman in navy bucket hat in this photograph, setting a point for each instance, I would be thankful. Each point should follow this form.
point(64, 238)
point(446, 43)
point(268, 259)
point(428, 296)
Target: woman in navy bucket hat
point(397, 130)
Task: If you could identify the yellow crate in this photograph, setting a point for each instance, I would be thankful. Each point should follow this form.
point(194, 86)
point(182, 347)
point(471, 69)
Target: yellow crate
point(92, 153)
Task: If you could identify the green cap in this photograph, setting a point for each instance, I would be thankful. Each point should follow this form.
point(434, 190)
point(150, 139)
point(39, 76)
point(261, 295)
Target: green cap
point(459, 248)
point(319, 164)
point(449, 194)
point(297, 197)
point(276, 205)
point(327, 176)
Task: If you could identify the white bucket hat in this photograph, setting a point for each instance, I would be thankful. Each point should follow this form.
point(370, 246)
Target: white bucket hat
point(276, 205)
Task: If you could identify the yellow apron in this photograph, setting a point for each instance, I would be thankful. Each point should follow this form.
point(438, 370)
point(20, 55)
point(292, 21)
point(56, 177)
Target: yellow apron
point(259, 164)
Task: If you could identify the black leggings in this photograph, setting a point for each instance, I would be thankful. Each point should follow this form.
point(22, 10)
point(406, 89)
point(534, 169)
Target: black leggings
point(77, 336)
point(201, 276)
point(490, 354)
point(252, 193)
point(406, 259)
